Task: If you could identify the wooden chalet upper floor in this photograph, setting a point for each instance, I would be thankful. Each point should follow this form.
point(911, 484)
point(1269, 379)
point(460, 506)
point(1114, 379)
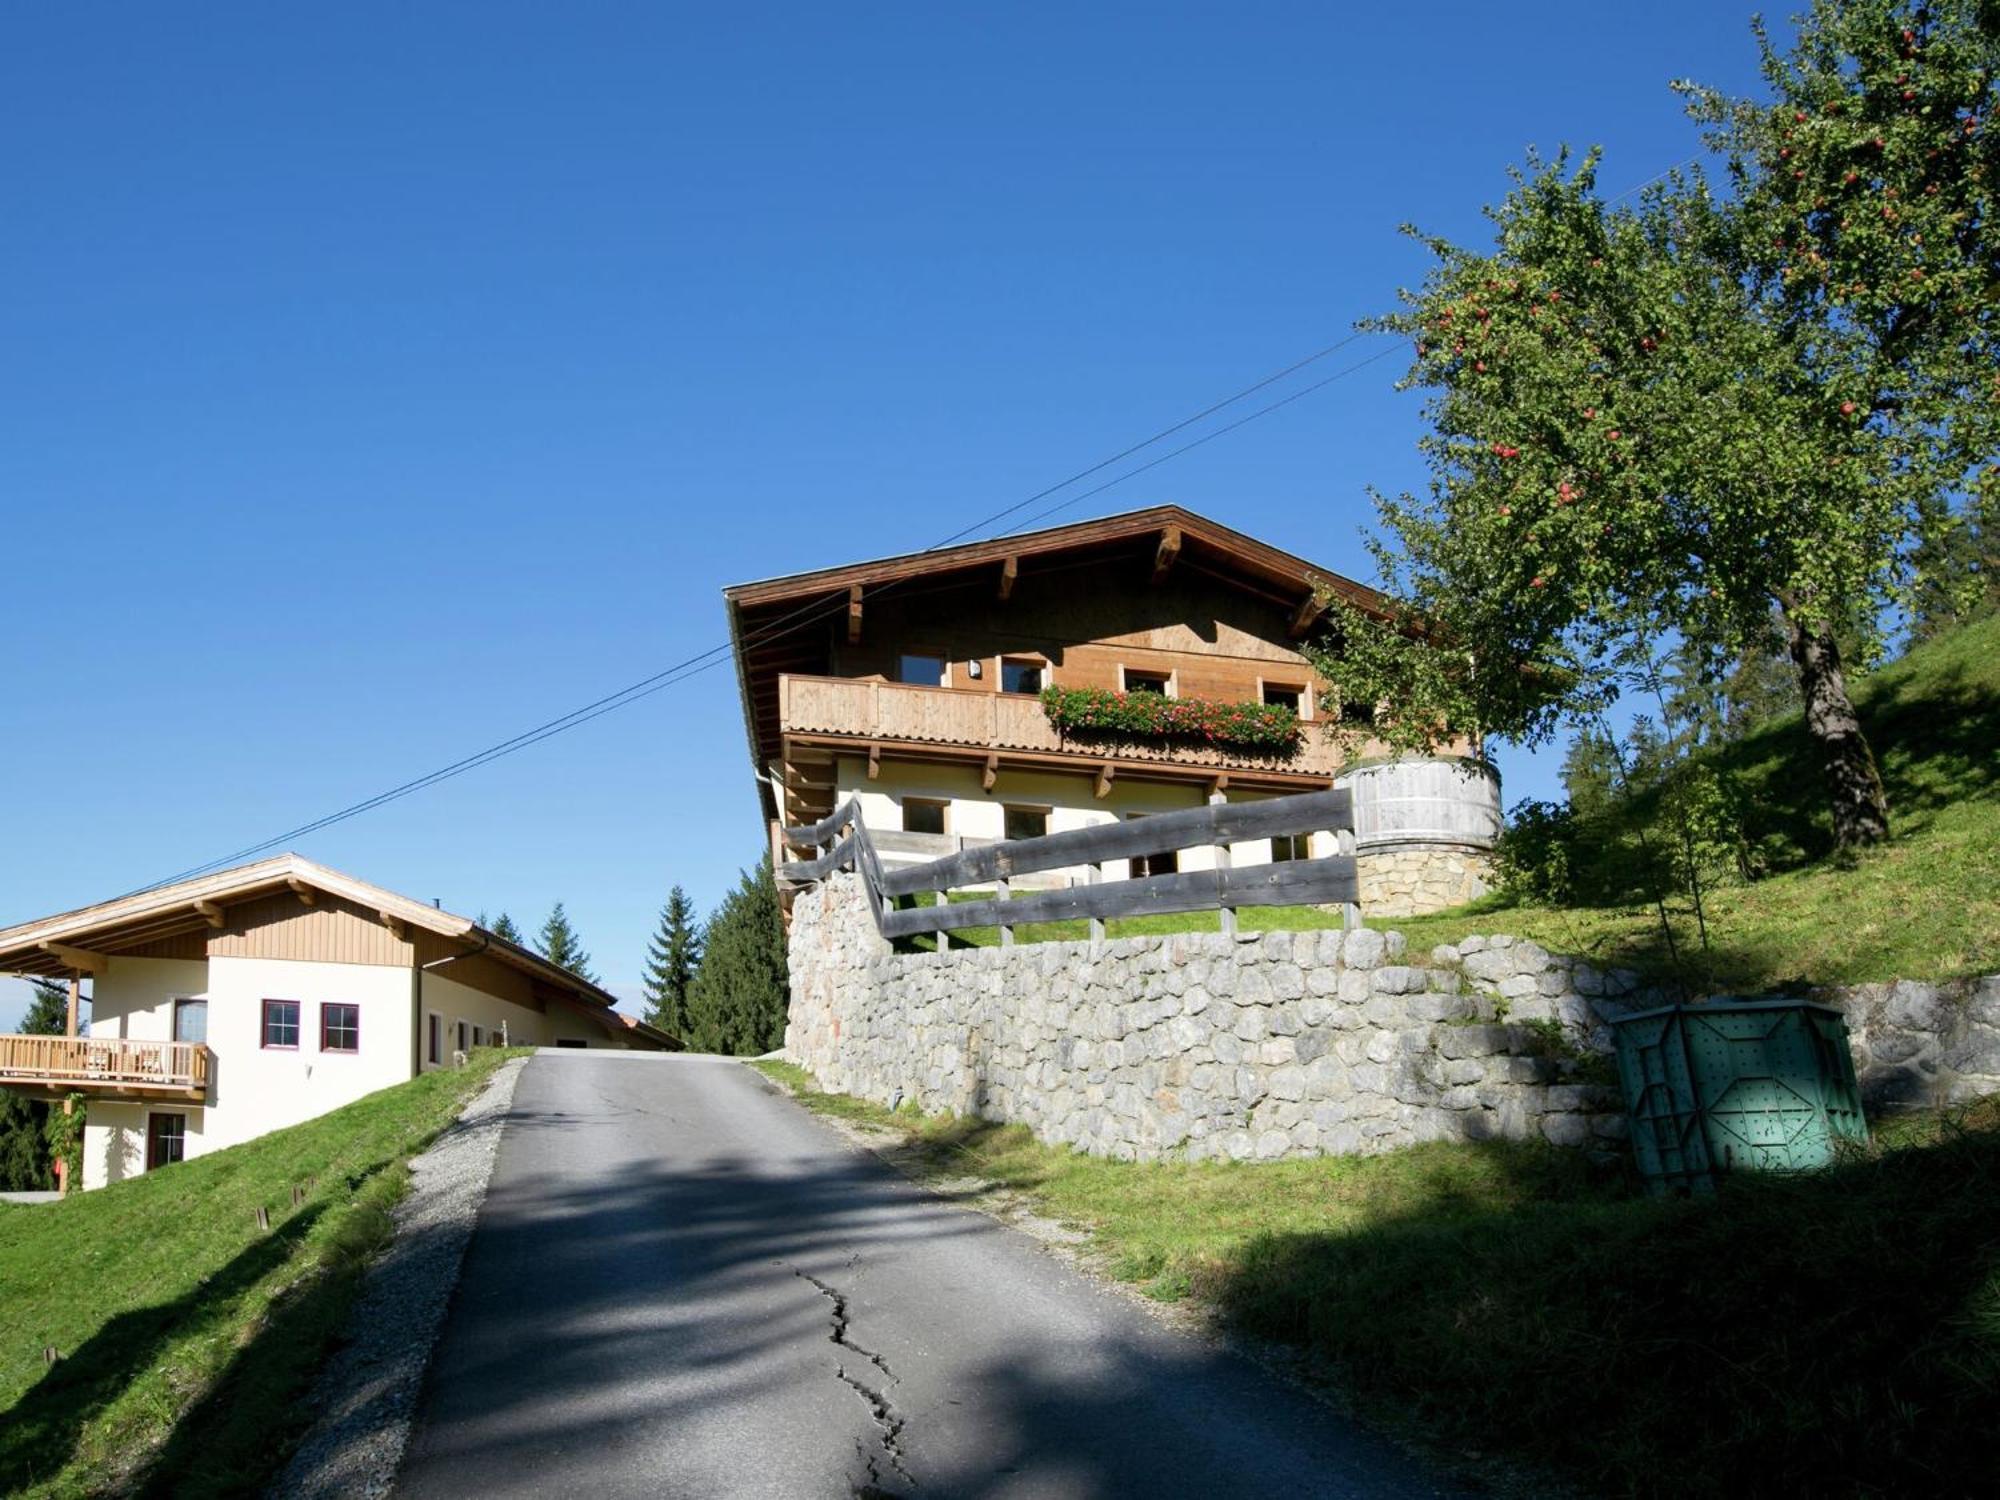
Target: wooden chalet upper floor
point(942, 654)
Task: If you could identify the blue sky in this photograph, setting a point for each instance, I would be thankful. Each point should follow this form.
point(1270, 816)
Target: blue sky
point(376, 382)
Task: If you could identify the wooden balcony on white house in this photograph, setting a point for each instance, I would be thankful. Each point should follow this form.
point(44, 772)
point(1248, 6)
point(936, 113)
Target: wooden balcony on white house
point(903, 715)
point(104, 1066)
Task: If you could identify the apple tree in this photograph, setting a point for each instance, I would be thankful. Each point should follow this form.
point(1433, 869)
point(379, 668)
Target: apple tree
point(1647, 423)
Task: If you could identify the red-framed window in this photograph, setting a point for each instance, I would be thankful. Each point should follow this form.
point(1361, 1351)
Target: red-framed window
point(281, 1025)
point(339, 1027)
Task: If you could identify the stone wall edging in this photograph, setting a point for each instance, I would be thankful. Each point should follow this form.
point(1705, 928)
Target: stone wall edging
point(1285, 1043)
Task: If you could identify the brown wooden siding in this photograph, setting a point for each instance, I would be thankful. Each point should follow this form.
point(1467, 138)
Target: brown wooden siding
point(329, 931)
point(180, 945)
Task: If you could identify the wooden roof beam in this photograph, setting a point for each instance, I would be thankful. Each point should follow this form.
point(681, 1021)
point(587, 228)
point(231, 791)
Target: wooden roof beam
point(1166, 554)
point(80, 959)
point(874, 762)
point(394, 923)
point(212, 913)
point(303, 891)
point(1305, 616)
point(1010, 571)
point(853, 614)
point(990, 774)
point(1105, 773)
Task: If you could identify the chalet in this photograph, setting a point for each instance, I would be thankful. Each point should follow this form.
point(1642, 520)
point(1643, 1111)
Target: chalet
point(916, 684)
point(239, 1002)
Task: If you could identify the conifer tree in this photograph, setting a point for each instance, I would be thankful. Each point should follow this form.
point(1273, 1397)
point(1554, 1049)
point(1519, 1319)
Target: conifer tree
point(738, 1000)
point(672, 957)
point(502, 927)
point(24, 1148)
point(559, 944)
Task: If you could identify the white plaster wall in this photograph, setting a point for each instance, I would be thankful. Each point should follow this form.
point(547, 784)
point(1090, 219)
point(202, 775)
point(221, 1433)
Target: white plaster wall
point(976, 813)
point(253, 1090)
point(114, 1137)
point(134, 999)
point(455, 1002)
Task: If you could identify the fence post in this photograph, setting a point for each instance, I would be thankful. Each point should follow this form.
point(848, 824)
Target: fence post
point(943, 937)
point(1096, 923)
point(1350, 911)
point(1224, 857)
point(1002, 890)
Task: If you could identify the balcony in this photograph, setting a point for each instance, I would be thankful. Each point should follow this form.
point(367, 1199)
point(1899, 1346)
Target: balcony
point(900, 714)
point(104, 1066)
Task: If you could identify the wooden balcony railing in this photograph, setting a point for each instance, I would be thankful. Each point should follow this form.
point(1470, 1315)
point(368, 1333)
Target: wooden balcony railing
point(866, 710)
point(103, 1065)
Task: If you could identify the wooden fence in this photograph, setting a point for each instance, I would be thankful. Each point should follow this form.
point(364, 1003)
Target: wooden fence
point(844, 842)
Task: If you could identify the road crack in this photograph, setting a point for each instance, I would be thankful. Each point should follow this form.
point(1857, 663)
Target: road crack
point(888, 1421)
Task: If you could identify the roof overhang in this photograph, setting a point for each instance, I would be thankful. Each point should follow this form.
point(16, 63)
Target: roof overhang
point(79, 941)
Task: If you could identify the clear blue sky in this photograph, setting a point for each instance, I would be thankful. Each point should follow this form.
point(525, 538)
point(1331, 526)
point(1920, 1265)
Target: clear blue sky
point(377, 381)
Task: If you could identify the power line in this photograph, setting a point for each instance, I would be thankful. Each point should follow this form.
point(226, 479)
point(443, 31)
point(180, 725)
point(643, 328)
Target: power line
point(796, 620)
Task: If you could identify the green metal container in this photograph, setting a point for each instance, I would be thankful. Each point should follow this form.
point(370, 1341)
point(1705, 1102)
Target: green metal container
point(1730, 1085)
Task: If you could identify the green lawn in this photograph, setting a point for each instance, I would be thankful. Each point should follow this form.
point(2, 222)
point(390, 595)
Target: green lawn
point(186, 1334)
point(1926, 906)
point(1836, 1334)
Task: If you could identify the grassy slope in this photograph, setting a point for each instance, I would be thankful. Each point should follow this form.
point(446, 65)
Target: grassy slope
point(187, 1333)
point(1925, 906)
point(1836, 1334)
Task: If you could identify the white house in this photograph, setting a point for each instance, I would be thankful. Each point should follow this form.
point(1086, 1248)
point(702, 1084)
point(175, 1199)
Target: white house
point(236, 1003)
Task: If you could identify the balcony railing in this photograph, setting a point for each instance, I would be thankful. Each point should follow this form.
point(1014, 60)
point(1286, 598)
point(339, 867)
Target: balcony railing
point(867, 710)
point(103, 1065)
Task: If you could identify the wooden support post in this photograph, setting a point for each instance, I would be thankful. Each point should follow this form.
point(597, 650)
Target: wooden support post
point(1002, 890)
point(943, 938)
point(75, 997)
point(1096, 923)
point(1224, 856)
point(1350, 912)
point(62, 1167)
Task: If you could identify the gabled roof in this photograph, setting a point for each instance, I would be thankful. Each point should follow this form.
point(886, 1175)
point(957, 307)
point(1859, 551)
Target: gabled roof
point(56, 945)
point(777, 625)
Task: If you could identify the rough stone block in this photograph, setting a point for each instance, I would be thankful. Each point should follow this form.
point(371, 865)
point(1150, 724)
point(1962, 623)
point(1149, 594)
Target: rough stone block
point(1287, 980)
point(1288, 1083)
point(1398, 979)
point(1365, 948)
point(1566, 1130)
point(1919, 1007)
point(1311, 1044)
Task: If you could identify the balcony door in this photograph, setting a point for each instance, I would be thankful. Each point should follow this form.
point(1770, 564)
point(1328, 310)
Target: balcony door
point(191, 1020)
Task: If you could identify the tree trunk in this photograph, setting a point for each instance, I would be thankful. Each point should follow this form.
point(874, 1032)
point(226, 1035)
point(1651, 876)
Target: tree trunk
point(1853, 785)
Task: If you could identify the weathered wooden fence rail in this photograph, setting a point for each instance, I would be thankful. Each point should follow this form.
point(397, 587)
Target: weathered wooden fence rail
point(844, 842)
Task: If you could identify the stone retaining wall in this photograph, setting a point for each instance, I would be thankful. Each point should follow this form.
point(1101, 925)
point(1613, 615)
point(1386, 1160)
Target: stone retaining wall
point(1280, 1044)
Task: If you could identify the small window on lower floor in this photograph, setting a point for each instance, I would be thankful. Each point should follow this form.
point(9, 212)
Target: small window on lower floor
point(1137, 681)
point(1291, 846)
point(464, 1036)
point(920, 815)
point(434, 1038)
point(1024, 822)
point(281, 1024)
point(166, 1140)
point(479, 1036)
point(339, 1028)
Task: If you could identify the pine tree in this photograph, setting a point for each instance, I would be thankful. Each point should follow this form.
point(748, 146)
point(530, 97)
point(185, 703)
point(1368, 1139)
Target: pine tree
point(503, 927)
point(740, 993)
point(559, 944)
point(672, 958)
point(24, 1149)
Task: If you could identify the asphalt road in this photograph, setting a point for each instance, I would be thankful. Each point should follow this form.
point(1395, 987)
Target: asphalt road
point(682, 1284)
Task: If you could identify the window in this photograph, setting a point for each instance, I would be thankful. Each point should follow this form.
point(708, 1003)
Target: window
point(1291, 846)
point(281, 1024)
point(920, 815)
point(166, 1140)
point(434, 1038)
point(1168, 863)
point(190, 1020)
point(479, 1036)
point(926, 671)
point(1024, 822)
point(1137, 681)
point(464, 1037)
point(1286, 695)
point(339, 1028)
point(1022, 675)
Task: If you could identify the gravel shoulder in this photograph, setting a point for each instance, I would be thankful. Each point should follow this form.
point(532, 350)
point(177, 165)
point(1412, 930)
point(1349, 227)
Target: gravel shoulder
point(368, 1390)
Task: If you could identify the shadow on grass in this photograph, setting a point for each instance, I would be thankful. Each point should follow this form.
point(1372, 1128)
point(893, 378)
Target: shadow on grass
point(40, 1433)
point(1836, 1334)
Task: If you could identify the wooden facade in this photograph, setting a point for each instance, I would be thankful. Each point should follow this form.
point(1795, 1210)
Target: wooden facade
point(1218, 615)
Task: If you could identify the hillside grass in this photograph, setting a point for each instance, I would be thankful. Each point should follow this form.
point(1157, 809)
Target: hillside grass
point(1924, 906)
point(1830, 1334)
point(187, 1336)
